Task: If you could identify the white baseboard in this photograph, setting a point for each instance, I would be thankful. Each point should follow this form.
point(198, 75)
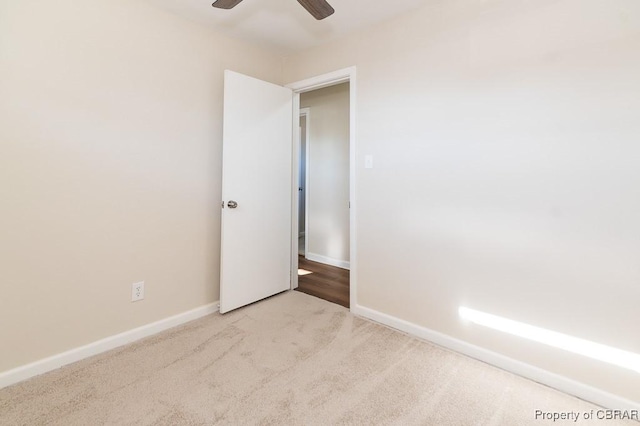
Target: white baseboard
point(328, 260)
point(556, 381)
point(24, 372)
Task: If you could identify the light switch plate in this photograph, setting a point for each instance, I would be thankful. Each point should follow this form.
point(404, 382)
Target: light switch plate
point(368, 161)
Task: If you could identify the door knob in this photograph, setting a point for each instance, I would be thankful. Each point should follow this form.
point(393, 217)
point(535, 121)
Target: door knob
point(232, 204)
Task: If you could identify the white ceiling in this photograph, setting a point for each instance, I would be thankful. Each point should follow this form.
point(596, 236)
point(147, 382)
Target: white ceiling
point(284, 25)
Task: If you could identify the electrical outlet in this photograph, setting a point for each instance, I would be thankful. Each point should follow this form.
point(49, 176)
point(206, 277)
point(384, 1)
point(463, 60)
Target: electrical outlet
point(137, 291)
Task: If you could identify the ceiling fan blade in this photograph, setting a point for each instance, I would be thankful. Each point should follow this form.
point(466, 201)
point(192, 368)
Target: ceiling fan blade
point(320, 9)
point(225, 4)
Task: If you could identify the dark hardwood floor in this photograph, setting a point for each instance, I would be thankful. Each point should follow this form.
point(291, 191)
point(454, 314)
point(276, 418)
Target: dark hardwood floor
point(325, 281)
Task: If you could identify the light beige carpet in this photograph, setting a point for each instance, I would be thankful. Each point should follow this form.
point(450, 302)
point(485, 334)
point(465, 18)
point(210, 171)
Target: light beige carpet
point(291, 359)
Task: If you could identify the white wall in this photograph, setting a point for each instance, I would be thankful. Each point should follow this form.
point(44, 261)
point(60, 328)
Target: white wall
point(506, 154)
point(328, 186)
point(110, 165)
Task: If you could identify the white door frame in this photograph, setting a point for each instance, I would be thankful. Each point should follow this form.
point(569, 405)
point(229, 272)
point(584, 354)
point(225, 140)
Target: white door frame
point(306, 112)
point(336, 77)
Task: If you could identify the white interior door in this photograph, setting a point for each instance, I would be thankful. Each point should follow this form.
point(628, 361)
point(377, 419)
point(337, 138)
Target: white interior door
point(256, 176)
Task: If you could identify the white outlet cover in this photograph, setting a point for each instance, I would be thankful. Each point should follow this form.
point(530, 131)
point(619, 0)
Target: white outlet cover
point(137, 291)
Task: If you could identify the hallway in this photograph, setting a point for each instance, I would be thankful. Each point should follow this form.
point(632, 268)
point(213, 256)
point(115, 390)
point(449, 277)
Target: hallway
point(324, 281)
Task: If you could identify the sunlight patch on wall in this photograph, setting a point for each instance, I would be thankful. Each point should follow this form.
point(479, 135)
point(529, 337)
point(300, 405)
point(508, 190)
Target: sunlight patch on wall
point(568, 343)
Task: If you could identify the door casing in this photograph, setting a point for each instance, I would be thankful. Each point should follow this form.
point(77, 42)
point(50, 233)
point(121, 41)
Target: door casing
point(336, 77)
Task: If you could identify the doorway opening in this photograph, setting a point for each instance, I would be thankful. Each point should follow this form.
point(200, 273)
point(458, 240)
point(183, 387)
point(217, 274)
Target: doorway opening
point(303, 160)
point(323, 246)
point(323, 213)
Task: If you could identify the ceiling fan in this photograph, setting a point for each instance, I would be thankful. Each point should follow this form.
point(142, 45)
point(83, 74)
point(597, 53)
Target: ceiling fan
point(320, 9)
